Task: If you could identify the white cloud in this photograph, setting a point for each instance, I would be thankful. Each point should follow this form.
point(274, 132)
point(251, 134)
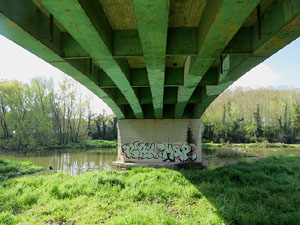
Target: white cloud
point(260, 76)
point(16, 63)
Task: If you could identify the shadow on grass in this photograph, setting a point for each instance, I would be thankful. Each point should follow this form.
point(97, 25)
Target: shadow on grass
point(264, 192)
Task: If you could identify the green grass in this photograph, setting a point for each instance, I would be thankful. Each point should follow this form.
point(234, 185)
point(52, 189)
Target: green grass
point(99, 144)
point(9, 169)
point(102, 150)
point(251, 145)
point(86, 144)
point(264, 192)
point(82, 145)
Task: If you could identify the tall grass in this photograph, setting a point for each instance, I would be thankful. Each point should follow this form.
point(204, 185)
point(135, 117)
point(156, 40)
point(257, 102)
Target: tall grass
point(264, 192)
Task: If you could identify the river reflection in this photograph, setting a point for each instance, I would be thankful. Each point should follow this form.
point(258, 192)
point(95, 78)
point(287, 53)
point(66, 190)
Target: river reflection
point(78, 162)
point(75, 163)
point(213, 160)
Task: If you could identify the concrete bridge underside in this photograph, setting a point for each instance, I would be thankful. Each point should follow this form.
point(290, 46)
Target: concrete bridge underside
point(153, 59)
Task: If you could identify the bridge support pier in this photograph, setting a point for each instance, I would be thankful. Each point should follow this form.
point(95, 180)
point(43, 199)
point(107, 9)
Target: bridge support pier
point(172, 143)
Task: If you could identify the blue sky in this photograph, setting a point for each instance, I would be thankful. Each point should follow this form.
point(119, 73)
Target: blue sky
point(280, 70)
point(286, 62)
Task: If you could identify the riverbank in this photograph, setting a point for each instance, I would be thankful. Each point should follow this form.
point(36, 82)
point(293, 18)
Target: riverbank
point(10, 169)
point(82, 145)
point(250, 145)
point(263, 192)
point(87, 145)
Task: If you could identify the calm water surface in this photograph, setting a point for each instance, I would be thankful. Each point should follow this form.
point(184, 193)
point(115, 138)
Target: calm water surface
point(78, 162)
point(247, 154)
point(73, 162)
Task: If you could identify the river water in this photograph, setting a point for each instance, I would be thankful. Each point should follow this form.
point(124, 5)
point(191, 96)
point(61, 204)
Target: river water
point(74, 162)
point(216, 157)
point(78, 162)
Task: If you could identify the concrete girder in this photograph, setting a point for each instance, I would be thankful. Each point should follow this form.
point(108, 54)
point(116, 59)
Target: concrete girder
point(152, 21)
point(277, 32)
point(215, 30)
point(173, 78)
point(203, 77)
point(140, 83)
point(181, 41)
point(23, 23)
point(87, 24)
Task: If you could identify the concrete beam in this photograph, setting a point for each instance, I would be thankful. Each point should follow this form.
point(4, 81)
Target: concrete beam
point(199, 95)
point(170, 95)
point(181, 41)
point(211, 77)
point(23, 23)
point(215, 30)
point(87, 24)
point(152, 21)
point(241, 43)
point(200, 108)
point(277, 32)
point(173, 78)
point(126, 43)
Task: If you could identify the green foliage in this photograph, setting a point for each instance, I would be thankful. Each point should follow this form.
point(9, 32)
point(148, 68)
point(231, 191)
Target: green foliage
point(38, 116)
point(263, 192)
point(10, 169)
point(250, 116)
point(88, 144)
point(252, 145)
point(99, 144)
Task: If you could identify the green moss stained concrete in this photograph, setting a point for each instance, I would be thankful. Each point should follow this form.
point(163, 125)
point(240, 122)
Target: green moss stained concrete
point(94, 34)
point(215, 30)
point(275, 36)
point(180, 41)
point(23, 23)
point(152, 21)
point(95, 55)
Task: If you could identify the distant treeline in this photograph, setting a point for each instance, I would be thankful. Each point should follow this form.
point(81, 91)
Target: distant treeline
point(39, 115)
point(263, 115)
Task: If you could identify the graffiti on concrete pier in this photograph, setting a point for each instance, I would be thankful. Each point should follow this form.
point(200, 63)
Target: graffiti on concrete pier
point(172, 152)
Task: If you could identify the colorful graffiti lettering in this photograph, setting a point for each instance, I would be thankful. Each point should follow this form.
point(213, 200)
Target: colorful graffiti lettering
point(171, 152)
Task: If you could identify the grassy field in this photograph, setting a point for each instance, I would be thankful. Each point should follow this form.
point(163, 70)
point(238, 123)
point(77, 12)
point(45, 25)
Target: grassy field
point(251, 145)
point(264, 192)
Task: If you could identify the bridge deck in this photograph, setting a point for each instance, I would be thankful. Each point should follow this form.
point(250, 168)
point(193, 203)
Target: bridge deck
point(153, 59)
